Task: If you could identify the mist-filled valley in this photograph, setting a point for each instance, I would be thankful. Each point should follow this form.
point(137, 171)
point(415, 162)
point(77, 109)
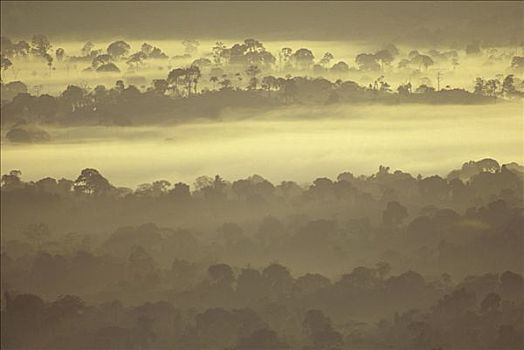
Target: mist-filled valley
point(291, 143)
point(255, 176)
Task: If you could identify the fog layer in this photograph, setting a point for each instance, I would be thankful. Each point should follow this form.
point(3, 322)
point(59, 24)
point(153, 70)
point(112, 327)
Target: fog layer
point(301, 144)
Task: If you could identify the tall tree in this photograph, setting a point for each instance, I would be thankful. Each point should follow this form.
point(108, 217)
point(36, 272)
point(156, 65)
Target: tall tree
point(253, 71)
point(303, 58)
point(118, 49)
point(40, 44)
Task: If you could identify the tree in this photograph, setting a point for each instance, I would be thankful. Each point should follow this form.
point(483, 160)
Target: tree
point(174, 78)
point(321, 332)
point(424, 89)
point(59, 54)
point(49, 60)
point(101, 60)
point(404, 63)
point(253, 71)
point(160, 86)
point(303, 58)
point(202, 63)
point(108, 68)
point(260, 58)
point(326, 59)
point(214, 80)
point(136, 59)
point(156, 189)
point(45, 106)
point(512, 285)
point(151, 51)
point(192, 75)
point(393, 50)
point(91, 182)
point(12, 89)
point(40, 45)
point(188, 76)
point(473, 49)
point(423, 60)
point(22, 312)
point(383, 269)
point(480, 86)
point(181, 191)
point(381, 85)
point(490, 303)
point(74, 96)
point(394, 214)
point(218, 52)
point(141, 265)
point(288, 88)
point(87, 48)
point(5, 63)
point(6, 46)
point(311, 283)
point(456, 303)
point(340, 68)
point(221, 274)
point(278, 279)
point(404, 89)
point(384, 57)
point(517, 62)
point(284, 56)
point(492, 87)
point(117, 49)
point(508, 87)
point(67, 306)
point(367, 62)
point(253, 45)
point(269, 82)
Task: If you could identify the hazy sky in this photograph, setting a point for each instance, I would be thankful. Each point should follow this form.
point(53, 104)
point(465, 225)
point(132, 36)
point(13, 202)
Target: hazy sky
point(400, 21)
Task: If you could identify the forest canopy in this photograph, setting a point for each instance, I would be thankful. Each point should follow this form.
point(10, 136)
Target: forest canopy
point(261, 175)
point(387, 259)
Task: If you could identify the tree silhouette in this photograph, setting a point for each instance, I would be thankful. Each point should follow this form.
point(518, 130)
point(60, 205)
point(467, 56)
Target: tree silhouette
point(5, 63)
point(91, 182)
point(253, 71)
point(303, 59)
point(40, 45)
point(60, 53)
point(394, 214)
point(87, 48)
point(118, 49)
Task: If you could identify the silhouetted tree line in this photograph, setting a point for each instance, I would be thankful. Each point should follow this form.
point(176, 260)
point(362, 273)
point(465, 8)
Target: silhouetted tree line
point(387, 260)
point(250, 52)
point(245, 74)
point(268, 309)
point(176, 99)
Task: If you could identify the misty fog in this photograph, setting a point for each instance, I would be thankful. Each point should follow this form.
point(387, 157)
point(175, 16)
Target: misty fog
point(71, 73)
point(292, 143)
point(262, 175)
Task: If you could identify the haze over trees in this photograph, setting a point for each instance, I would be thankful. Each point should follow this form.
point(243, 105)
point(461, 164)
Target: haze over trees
point(168, 175)
point(236, 76)
point(413, 262)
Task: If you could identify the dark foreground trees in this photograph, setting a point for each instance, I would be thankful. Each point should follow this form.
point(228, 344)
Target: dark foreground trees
point(368, 262)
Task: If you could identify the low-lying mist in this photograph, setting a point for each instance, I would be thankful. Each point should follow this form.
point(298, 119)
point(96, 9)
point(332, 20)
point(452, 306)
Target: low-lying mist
point(289, 143)
point(41, 80)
